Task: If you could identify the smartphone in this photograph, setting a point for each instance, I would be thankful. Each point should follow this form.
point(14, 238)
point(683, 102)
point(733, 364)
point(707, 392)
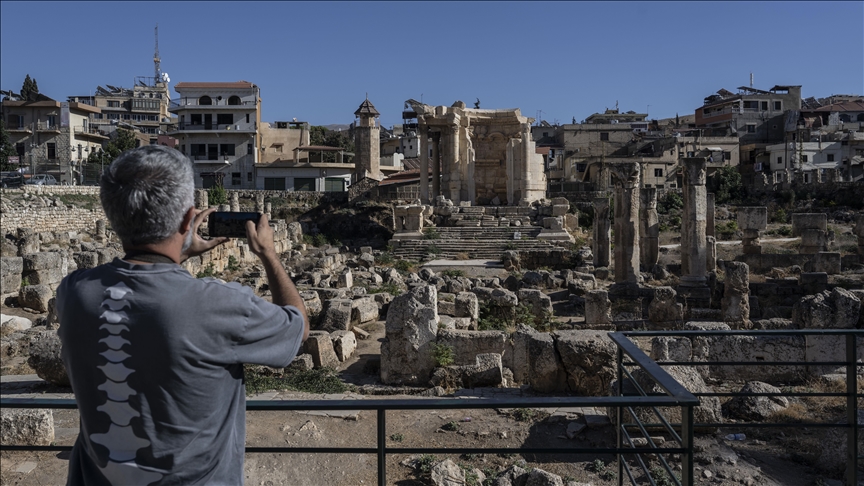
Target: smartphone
point(232, 225)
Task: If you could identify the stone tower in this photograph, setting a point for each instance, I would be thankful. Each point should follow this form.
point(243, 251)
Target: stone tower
point(366, 143)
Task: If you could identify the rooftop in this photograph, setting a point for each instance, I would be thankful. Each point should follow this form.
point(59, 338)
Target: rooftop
point(215, 85)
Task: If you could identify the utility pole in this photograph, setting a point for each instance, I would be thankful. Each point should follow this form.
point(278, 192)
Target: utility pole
point(156, 60)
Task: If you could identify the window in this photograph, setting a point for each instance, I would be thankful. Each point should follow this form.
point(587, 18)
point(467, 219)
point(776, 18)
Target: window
point(247, 117)
point(234, 100)
point(127, 116)
point(830, 157)
point(250, 149)
point(304, 184)
point(658, 172)
point(52, 120)
point(334, 184)
point(804, 158)
point(274, 183)
point(751, 128)
point(198, 150)
point(779, 160)
point(19, 147)
point(235, 179)
point(52, 150)
point(224, 119)
point(205, 100)
point(16, 121)
point(778, 106)
point(113, 104)
point(195, 119)
point(751, 105)
point(97, 116)
point(277, 149)
point(545, 134)
point(691, 154)
point(764, 106)
point(581, 167)
point(249, 177)
point(727, 155)
point(226, 149)
point(604, 136)
point(212, 151)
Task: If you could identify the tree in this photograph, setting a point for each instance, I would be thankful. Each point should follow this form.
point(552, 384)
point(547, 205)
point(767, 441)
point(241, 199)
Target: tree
point(319, 135)
point(727, 185)
point(6, 149)
point(30, 89)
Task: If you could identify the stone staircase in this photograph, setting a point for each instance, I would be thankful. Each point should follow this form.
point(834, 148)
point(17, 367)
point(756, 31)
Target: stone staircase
point(479, 243)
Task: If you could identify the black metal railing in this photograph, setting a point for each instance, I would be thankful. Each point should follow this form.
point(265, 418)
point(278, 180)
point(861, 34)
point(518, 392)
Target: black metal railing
point(676, 396)
point(850, 363)
point(629, 397)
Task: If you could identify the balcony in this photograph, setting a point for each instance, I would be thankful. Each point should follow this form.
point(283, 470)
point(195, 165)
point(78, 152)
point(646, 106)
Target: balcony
point(213, 127)
point(47, 127)
point(93, 132)
point(20, 129)
point(221, 104)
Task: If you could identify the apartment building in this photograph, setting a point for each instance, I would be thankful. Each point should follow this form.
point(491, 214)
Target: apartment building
point(217, 127)
point(52, 137)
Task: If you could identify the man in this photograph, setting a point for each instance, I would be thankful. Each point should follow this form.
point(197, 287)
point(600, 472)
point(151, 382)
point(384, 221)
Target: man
point(155, 356)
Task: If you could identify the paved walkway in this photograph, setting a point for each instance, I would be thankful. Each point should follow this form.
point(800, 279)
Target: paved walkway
point(738, 242)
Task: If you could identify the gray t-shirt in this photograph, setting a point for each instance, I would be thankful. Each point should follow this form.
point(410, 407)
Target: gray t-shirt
point(155, 358)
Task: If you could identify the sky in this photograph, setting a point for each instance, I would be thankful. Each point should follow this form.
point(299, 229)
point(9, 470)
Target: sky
point(555, 61)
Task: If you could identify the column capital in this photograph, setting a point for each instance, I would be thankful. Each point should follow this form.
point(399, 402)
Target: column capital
point(695, 171)
point(600, 202)
point(625, 175)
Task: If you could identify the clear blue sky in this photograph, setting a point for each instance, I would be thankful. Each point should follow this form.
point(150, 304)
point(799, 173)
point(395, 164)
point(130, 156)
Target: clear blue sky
point(317, 60)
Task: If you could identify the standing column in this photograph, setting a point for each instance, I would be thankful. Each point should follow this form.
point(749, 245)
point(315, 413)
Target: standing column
point(625, 178)
point(649, 231)
point(710, 239)
point(526, 163)
point(602, 230)
point(452, 164)
point(436, 165)
point(693, 287)
point(424, 163)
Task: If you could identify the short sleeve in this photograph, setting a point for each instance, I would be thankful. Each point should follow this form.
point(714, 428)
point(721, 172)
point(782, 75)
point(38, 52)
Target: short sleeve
point(271, 336)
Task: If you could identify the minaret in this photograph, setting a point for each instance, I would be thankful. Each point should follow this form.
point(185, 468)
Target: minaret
point(367, 143)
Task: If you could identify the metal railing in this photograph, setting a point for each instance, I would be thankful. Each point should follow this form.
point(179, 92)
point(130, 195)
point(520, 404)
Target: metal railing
point(850, 363)
point(180, 102)
point(629, 457)
point(676, 396)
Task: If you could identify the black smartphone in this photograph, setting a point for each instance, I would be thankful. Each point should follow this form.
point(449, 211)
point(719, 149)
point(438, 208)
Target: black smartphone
point(232, 225)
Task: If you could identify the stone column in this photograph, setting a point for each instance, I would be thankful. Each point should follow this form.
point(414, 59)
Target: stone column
point(526, 163)
point(602, 232)
point(268, 210)
point(736, 295)
point(709, 215)
point(436, 165)
point(710, 240)
point(751, 221)
point(453, 165)
point(259, 203)
point(649, 229)
point(693, 287)
point(813, 230)
point(235, 202)
point(100, 229)
point(625, 177)
point(859, 232)
point(423, 130)
point(201, 200)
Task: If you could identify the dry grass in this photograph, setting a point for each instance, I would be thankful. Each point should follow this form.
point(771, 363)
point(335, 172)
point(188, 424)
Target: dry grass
point(822, 409)
point(463, 256)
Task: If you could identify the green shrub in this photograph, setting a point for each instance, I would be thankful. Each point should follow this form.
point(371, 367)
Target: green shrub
point(397, 437)
point(779, 216)
point(233, 264)
point(669, 201)
point(450, 426)
point(390, 287)
point(208, 271)
point(442, 354)
point(404, 265)
point(216, 195)
point(726, 229)
point(784, 231)
point(434, 249)
point(431, 234)
point(383, 259)
point(726, 184)
point(321, 380)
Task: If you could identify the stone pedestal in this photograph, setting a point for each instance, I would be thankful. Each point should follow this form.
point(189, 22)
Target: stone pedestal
point(751, 221)
point(602, 232)
point(649, 230)
point(100, 231)
point(736, 295)
point(693, 287)
point(625, 178)
point(813, 230)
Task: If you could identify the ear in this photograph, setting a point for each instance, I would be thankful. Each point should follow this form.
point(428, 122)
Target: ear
point(186, 225)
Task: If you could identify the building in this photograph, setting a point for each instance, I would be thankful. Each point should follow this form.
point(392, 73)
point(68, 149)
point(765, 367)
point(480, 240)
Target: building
point(52, 137)
point(367, 143)
point(144, 108)
point(217, 127)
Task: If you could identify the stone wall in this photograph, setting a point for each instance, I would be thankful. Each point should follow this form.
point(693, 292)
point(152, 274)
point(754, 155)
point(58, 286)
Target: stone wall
point(295, 198)
point(50, 219)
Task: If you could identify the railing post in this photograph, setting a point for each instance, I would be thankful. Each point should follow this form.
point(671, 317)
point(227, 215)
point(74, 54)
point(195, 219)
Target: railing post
point(382, 443)
point(851, 411)
point(687, 436)
point(618, 415)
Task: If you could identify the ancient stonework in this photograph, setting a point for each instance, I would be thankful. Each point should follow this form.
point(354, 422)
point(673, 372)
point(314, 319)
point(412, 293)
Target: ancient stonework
point(602, 233)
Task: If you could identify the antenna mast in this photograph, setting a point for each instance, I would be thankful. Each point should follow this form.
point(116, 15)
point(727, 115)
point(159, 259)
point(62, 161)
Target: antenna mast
point(156, 60)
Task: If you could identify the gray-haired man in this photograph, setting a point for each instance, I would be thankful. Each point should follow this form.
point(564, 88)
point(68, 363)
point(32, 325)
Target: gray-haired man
point(155, 356)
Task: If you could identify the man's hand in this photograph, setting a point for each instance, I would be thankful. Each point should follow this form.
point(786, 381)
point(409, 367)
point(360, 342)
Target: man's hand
point(200, 245)
point(260, 237)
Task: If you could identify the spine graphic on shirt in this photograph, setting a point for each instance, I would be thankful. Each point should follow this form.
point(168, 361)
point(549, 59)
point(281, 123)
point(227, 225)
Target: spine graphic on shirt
point(121, 441)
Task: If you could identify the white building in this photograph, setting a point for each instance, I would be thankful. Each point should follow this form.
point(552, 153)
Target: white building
point(811, 159)
point(218, 129)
